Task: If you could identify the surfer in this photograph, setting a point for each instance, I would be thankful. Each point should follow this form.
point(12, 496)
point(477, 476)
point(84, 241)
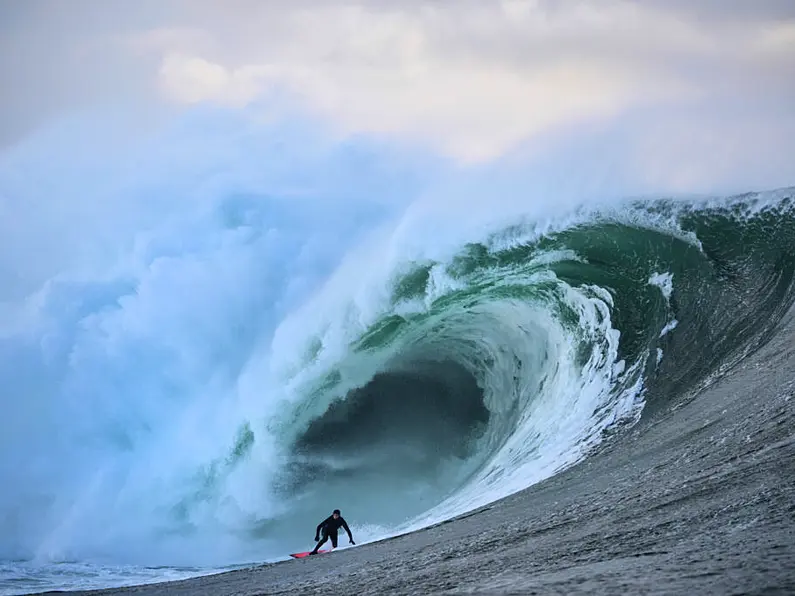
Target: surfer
point(330, 526)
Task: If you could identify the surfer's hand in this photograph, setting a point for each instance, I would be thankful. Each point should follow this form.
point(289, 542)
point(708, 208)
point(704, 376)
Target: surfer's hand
point(352, 542)
point(316, 538)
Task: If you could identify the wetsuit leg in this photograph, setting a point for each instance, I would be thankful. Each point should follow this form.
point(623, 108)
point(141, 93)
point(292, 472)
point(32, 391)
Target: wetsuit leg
point(323, 539)
point(333, 536)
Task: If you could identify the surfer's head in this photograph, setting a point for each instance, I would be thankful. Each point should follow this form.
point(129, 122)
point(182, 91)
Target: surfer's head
point(336, 513)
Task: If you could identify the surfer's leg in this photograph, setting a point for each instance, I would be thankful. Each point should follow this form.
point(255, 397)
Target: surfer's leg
point(333, 537)
point(323, 539)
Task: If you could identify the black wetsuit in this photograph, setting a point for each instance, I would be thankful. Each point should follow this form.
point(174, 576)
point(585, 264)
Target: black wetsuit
point(330, 527)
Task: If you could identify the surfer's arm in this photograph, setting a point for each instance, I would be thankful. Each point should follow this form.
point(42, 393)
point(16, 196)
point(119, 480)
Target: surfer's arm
point(348, 530)
point(320, 526)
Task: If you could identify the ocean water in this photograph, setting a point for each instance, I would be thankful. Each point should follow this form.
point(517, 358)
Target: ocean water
point(202, 398)
point(21, 577)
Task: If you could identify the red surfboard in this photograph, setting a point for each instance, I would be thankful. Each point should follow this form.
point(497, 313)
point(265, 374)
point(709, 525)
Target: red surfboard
point(306, 554)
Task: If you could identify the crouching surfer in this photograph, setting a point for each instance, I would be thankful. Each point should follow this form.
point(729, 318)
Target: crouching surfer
point(330, 526)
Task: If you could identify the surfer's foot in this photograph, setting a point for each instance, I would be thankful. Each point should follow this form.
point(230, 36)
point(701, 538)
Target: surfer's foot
point(314, 552)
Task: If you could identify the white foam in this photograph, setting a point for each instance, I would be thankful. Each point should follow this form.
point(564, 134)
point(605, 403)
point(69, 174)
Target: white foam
point(664, 281)
point(670, 326)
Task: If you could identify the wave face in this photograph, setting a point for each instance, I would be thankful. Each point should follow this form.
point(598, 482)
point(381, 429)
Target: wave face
point(405, 396)
point(489, 371)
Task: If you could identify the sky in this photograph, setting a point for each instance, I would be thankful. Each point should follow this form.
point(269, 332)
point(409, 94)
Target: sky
point(470, 79)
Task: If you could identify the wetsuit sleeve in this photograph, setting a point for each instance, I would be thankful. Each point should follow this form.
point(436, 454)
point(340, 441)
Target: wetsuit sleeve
point(347, 529)
point(320, 525)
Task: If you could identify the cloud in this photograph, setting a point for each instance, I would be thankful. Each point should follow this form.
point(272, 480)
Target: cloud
point(193, 80)
point(476, 80)
point(473, 81)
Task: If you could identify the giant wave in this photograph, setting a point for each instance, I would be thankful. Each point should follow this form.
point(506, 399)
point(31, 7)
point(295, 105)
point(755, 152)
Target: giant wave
point(496, 368)
point(411, 393)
